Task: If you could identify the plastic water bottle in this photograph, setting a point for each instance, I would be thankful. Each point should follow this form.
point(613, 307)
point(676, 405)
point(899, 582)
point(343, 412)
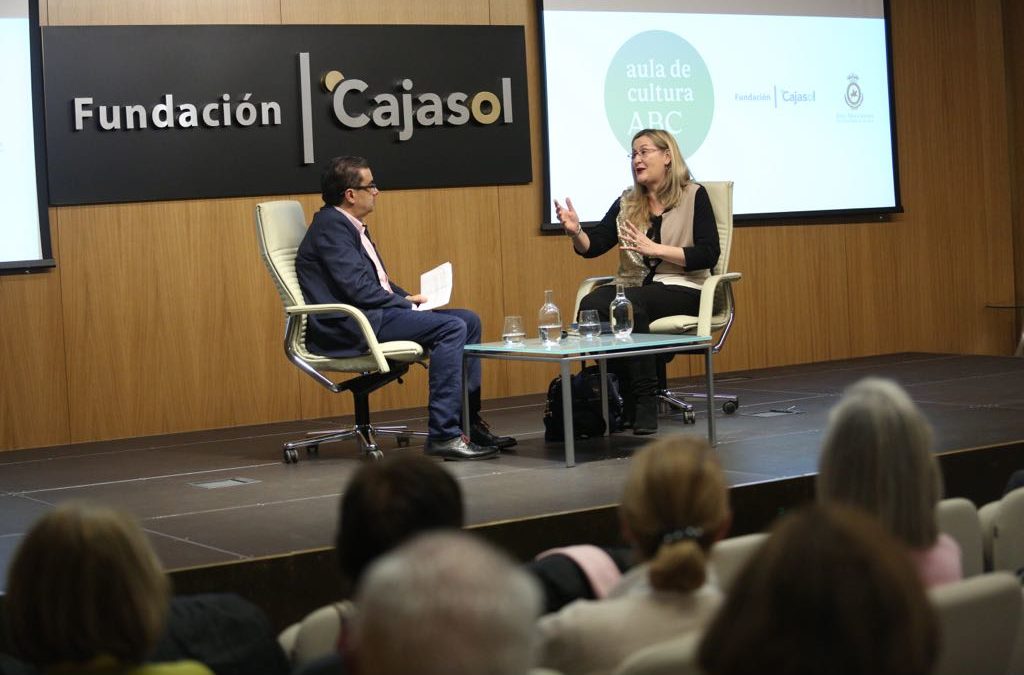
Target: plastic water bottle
point(550, 320)
point(621, 313)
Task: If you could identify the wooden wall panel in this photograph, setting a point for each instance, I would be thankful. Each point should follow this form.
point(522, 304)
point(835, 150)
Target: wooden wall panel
point(172, 322)
point(1013, 29)
point(954, 240)
point(142, 12)
point(33, 383)
point(384, 12)
point(871, 263)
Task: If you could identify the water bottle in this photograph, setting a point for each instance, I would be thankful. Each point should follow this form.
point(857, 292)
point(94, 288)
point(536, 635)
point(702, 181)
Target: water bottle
point(621, 313)
point(550, 320)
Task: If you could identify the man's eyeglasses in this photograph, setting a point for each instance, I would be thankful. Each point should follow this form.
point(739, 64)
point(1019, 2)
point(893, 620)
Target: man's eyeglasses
point(642, 152)
point(370, 186)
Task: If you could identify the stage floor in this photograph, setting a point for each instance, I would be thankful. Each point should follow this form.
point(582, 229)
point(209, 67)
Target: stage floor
point(225, 495)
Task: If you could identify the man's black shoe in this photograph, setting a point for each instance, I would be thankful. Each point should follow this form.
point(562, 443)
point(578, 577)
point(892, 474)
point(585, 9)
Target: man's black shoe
point(480, 433)
point(458, 449)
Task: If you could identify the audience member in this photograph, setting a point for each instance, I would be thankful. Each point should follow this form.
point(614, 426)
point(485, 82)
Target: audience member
point(388, 502)
point(877, 456)
point(674, 507)
point(86, 594)
point(446, 603)
point(830, 592)
point(385, 504)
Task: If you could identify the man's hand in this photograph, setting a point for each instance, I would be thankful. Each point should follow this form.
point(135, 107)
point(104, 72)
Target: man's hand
point(417, 299)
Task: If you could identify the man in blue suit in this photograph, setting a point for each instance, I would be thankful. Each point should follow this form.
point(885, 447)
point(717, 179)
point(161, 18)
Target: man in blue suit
point(337, 262)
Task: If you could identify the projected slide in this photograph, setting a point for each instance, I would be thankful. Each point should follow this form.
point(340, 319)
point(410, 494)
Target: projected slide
point(20, 233)
point(794, 109)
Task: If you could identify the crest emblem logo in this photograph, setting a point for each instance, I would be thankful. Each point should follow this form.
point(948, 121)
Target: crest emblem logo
point(854, 96)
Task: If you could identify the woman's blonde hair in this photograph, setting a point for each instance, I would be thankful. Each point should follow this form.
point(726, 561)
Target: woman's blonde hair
point(675, 506)
point(634, 204)
point(85, 582)
point(876, 455)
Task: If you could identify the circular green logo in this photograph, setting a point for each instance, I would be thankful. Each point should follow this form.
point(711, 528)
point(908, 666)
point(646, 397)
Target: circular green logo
point(657, 80)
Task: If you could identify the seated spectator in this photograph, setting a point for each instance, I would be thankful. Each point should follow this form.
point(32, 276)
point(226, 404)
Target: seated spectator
point(446, 603)
point(830, 592)
point(86, 594)
point(384, 504)
point(877, 456)
point(674, 508)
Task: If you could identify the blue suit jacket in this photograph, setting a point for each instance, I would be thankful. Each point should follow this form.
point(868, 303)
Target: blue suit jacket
point(333, 267)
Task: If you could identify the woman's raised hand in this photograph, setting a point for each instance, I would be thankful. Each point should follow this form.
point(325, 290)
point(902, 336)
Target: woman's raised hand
point(568, 217)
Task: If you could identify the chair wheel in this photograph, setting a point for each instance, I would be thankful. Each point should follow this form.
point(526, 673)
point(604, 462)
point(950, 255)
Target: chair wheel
point(689, 417)
point(729, 407)
point(291, 456)
point(403, 441)
point(313, 450)
point(374, 455)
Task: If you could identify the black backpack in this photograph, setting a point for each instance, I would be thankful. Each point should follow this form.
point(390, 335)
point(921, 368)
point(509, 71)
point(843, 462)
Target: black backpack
point(587, 420)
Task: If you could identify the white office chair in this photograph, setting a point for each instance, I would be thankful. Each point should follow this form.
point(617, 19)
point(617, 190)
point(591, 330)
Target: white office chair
point(280, 227)
point(1002, 524)
point(717, 304)
point(672, 657)
point(980, 620)
point(316, 635)
point(958, 517)
point(730, 556)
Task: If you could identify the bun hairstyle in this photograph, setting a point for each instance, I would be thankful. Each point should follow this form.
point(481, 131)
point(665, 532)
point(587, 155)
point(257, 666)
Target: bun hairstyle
point(675, 505)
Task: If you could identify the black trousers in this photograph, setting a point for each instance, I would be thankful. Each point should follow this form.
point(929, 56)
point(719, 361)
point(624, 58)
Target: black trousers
point(638, 375)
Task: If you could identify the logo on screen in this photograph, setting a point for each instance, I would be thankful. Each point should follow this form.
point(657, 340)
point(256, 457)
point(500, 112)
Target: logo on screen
point(854, 96)
point(658, 80)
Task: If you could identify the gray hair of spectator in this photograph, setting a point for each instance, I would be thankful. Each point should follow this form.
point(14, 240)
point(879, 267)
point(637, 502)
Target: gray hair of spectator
point(446, 603)
point(876, 455)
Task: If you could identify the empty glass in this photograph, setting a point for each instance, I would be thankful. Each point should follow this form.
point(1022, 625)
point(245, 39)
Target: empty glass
point(513, 333)
point(589, 324)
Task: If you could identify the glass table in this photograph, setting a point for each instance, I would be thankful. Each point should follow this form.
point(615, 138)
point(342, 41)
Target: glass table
point(600, 349)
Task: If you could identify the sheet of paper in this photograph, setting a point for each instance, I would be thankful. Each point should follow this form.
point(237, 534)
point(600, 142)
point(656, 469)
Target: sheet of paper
point(437, 286)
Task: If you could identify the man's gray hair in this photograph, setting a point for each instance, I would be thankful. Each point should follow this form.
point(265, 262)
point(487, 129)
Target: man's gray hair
point(446, 603)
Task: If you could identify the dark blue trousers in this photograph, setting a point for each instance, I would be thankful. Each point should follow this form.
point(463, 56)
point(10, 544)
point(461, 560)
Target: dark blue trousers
point(443, 332)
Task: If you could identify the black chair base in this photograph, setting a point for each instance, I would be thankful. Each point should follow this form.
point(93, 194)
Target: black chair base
point(363, 431)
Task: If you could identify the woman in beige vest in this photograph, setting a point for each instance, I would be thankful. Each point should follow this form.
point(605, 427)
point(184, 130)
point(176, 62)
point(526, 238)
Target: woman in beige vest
point(665, 229)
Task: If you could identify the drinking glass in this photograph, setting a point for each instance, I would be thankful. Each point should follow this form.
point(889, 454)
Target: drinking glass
point(513, 333)
point(589, 324)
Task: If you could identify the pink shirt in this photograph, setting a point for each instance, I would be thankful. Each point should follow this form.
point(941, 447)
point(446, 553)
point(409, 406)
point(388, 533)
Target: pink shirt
point(370, 249)
point(939, 564)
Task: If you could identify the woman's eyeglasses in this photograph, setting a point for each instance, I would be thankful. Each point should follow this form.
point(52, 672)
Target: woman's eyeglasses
point(642, 152)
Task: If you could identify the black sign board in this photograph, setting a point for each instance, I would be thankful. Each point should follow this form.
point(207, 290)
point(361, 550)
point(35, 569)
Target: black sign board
point(139, 113)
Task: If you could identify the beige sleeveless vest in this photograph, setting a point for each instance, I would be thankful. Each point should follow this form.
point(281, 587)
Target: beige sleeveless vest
point(676, 230)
